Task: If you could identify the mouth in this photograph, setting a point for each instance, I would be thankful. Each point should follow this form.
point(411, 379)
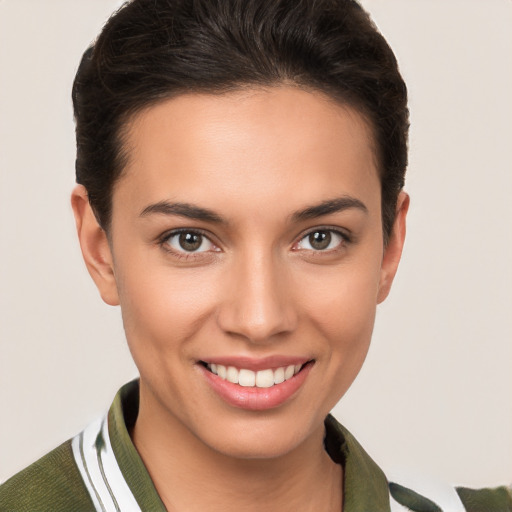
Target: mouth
point(256, 389)
point(265, 378)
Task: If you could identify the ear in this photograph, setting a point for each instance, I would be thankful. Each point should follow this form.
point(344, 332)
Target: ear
point(393, 250)
point(95, 246)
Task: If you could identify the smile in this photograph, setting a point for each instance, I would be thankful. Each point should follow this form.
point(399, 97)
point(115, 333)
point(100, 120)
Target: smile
point(266, 386)
point(259, 379)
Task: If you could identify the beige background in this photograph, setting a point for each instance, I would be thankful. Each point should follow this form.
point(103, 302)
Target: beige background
point(435, 394)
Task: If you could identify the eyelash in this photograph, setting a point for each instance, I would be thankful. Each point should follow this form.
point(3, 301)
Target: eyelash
point(163, 241)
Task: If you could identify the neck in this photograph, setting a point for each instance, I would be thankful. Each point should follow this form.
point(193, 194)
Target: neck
point(191, 476)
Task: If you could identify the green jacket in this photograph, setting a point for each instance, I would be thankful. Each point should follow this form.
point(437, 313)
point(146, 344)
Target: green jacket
point(100, 470)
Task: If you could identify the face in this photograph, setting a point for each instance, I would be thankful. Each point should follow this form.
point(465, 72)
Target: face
point(246, 246)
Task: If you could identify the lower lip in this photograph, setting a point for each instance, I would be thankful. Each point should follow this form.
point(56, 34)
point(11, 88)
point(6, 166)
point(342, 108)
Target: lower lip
point(253, 398)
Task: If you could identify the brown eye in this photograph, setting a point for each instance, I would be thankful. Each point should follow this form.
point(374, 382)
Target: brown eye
point(189, 241)
point(321, 240)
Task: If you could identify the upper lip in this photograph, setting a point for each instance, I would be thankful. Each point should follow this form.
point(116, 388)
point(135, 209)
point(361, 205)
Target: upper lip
point(255, 364)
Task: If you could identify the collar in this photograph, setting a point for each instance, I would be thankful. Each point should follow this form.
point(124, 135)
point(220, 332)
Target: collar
point(365, 486)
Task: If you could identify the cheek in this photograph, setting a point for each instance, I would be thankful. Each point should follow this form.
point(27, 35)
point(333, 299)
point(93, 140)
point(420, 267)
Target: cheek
point(163, 308)
point(347, 327)
point(342, 310)
point(348, 324)
point(343, 300)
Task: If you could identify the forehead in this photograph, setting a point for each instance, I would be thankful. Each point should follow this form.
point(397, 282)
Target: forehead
point(260, 145)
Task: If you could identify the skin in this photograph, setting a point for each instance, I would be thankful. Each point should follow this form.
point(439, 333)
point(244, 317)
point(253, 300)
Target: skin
point(257, 287)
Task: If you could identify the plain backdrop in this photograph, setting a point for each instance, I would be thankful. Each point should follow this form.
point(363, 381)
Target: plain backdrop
point(435, 393)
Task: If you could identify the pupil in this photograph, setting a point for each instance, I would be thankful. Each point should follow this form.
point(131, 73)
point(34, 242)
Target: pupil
point(190, 241)
point(320, 240)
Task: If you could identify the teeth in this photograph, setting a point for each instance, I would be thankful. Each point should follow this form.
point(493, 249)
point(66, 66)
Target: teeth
point(221, 371)
point(279, 376)
point(260, 379)
point(247, 378)
point(265, 379)
point(232, 375)
point(289, 371)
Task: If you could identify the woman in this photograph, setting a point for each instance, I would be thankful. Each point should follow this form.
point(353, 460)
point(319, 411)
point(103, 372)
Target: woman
point(240, 169)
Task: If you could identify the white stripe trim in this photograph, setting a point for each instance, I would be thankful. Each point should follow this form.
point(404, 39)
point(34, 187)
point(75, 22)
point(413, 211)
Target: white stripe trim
point(100, 471)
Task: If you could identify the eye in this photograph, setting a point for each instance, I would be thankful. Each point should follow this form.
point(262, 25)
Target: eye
point(321, 240)
point(187, 241)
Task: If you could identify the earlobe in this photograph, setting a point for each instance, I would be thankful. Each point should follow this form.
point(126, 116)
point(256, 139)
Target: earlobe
point(95, 246)
point(393, 250)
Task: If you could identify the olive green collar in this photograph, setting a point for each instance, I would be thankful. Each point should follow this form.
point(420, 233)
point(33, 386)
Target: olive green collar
point(121, 418)
point(365, 486)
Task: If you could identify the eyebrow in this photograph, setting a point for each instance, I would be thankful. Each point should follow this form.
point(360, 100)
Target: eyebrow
point(191, 211)
point(330, 206)
point(187, 210)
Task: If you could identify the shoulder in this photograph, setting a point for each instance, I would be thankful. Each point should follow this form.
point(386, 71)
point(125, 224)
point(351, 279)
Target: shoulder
point(53, 483)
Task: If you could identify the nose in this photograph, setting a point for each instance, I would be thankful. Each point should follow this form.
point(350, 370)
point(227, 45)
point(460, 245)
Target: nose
point(258, 300)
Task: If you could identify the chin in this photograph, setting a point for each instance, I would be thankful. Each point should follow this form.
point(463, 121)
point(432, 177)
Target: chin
point(264, 436)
